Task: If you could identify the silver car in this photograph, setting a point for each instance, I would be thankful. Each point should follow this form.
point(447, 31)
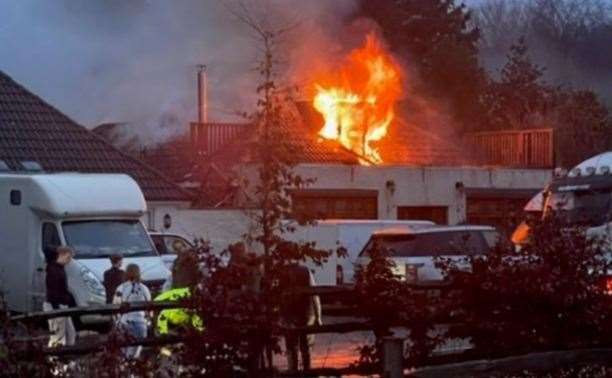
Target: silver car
point(413, 250)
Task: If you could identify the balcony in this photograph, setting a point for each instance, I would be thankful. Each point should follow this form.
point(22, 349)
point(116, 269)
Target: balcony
point(532, 148)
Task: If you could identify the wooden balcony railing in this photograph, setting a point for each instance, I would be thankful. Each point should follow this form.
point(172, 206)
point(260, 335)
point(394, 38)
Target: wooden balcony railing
point(532, 148)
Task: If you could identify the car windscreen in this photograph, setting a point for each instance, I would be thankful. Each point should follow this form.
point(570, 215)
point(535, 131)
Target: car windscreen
point(582, 207)
point(100, 239)
point(451, 243)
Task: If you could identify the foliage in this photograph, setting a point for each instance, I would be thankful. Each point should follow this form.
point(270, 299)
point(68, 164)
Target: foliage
point(441, 40)
point(583, 126)
point(547, 296)
point(521, 99)
point(386, 302)
point(589, 371)
point(23, 359)
point(240, 302)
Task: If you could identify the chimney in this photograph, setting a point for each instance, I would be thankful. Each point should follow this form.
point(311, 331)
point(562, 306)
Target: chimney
point(202, 94)
point(198, 130)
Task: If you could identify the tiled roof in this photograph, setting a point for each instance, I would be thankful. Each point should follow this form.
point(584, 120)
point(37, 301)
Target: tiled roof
point(177, 157)
point(307, 148)
point(31, 129)
point(405, 142)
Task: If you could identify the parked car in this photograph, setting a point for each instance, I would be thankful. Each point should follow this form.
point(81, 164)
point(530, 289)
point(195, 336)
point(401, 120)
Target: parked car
point(350, 234)
point(412, 250)
point(168, 245)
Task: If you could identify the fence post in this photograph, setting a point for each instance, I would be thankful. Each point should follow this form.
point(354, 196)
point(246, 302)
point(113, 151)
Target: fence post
point(393, 357)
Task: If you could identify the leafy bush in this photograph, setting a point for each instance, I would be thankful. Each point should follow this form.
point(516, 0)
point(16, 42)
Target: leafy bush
point(386, 302)
point(548, 295)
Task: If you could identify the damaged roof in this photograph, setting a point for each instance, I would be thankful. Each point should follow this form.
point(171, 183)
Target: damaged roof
point(428, 144)
point(33, 130)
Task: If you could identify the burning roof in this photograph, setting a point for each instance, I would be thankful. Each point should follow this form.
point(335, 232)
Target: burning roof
point(363, 106)
point(357, 101)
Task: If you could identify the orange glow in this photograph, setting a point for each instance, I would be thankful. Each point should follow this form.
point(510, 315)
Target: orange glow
point(358, 100)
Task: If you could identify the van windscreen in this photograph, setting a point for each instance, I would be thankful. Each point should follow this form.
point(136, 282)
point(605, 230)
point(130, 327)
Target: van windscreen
point(101, 239)
point(430, 244)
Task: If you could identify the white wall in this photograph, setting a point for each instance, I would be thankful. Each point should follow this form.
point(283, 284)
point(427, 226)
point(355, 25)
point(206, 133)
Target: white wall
point(422, 186)
point(414, 186)
point(219, 227)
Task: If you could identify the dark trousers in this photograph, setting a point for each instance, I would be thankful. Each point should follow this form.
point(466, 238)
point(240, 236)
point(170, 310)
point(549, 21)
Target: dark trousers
point(292, 342)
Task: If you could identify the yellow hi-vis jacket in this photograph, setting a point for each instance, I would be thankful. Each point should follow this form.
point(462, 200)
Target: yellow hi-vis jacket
point(176, 317)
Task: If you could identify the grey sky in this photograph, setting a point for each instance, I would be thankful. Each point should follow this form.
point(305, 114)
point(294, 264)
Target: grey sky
point(118, 60)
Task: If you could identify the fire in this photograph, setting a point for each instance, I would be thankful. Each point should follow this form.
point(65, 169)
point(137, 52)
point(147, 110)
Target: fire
point(358, 100)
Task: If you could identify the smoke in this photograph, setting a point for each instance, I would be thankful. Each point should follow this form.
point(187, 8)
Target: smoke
point(569, 38)
point(135, 61)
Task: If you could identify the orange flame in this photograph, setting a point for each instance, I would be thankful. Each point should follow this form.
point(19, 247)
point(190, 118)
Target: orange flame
point(357, 101)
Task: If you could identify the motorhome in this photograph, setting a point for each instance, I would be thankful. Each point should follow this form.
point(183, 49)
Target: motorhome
point(583, 196)
point(350, 235)
point(97, 215)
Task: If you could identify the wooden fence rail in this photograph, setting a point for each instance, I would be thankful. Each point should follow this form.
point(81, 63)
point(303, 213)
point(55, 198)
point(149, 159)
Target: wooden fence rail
point(156, 306)
point(108, 309)
point(532, 148)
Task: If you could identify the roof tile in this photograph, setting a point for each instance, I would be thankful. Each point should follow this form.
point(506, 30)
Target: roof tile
point(31, 129)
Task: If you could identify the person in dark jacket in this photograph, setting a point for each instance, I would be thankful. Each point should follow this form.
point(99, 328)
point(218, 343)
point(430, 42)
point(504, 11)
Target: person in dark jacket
point(185, 271)
point(298, 310)
point(113, 277)
point(58, 297)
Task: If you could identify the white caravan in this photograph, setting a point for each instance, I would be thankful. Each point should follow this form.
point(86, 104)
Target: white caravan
point(352, 235)
point(96, 214)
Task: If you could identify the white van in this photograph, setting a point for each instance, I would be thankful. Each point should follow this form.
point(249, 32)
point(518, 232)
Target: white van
point(96, 214)
point(352, 235)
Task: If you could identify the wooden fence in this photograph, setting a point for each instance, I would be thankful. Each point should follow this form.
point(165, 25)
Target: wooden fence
point(514, 148)
point(393, 366)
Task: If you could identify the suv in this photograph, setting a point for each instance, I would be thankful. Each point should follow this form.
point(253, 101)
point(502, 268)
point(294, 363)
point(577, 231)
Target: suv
point(413, 250)
point(167, 245)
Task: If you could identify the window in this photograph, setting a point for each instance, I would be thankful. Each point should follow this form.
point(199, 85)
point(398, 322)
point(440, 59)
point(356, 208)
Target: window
point(585, 207)
point(335, 204)
point(160, 246)
point(101, 239)
point(436, 214)
point(174, 244)
point(50, 236)
point(15, 197)
point(170, 244)
point(446, 243)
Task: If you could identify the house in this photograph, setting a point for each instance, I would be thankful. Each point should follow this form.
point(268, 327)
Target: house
point(424, 175)
point(36, 136)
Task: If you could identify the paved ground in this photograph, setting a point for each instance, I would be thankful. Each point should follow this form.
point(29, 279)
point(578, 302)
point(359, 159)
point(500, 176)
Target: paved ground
point(329, 350)
point(340, 350)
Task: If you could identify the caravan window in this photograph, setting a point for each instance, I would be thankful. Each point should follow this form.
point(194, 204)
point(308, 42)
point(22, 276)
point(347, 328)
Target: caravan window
point(100, 239)
point(50, 236)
